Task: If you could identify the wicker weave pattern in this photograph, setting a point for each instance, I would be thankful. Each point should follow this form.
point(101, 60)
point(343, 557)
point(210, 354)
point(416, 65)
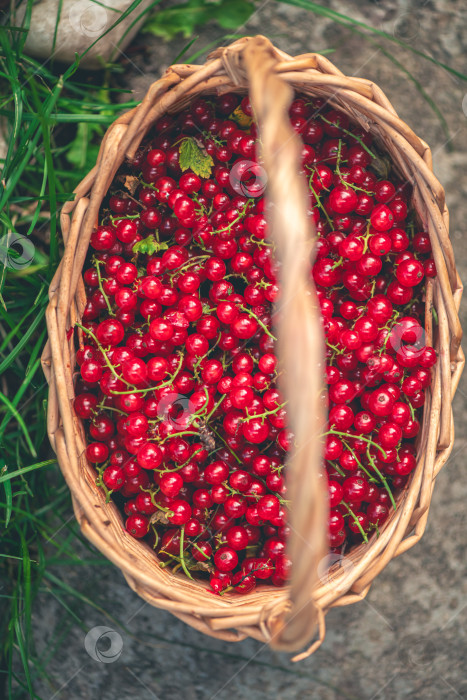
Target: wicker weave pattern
point(283, 617)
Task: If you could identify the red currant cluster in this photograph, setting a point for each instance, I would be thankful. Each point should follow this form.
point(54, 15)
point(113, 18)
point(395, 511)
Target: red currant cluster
point(187, 428)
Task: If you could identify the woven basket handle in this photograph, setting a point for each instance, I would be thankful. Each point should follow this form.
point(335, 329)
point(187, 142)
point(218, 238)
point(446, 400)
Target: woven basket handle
point(300, 344)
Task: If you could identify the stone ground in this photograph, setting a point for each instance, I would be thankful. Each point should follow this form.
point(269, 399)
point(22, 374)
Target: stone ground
point(408, 639)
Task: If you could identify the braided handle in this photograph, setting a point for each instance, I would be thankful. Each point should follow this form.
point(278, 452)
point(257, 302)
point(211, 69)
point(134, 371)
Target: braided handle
point(300, 339)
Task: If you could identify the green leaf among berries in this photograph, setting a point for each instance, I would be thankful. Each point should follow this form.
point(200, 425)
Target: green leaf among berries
point(149, 246)
point(194, 157)
point(186, 17)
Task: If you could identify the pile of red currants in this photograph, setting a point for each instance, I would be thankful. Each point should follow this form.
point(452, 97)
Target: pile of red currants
point(178, 374)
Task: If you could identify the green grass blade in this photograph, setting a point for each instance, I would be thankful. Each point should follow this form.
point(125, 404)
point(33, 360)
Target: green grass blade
point(26, 589)
point(57, 22)
point(20, 422)
point(124, 14)
point(19, 395)
point(23, 342)
point(135, 21)
point(25, 470)
point(22, 650)
point(9, 502)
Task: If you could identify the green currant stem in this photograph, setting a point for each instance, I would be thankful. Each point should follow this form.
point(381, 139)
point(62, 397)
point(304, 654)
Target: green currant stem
point(338, 263)
point(99, 277)
point(230, 450)
point(360, 464)
point(182, 556)
point(319, 202)
point(338, 351)
point(206, 556)
point(266, 413)
point(103, 407)
point(189, 263)
point(107, 361)
point(156, 535)
point(366, 238)
point(349, 133)
point(357, 437)
point(338, 469)
point(213, 137)
point(226, 590)
point(261, 243)
point(113, 219)
point(383, 479)
point(209, 416)
point(165, 383)
point(207, 309)
point(312, 170)
point(200, 412)
point(356, 521)
point(236, 220)
point(263, 284)
point(339, 152)
point(389, 328)
point(346, 183)
point(153, 494)
point(182, 432)
point(203, 357)
point(180, 466)
point(258, 320)
point(100, 482)
point(163, 564)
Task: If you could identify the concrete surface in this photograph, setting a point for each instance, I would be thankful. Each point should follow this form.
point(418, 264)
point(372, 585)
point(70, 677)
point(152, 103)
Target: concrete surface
point(408, 640)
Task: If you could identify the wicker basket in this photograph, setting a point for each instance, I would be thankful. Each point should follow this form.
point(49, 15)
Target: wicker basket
point(285, 618)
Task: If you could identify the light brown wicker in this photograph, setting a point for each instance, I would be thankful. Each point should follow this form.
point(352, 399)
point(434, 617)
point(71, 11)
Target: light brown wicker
point(285, 618)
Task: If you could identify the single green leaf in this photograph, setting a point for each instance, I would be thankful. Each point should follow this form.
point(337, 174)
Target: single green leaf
point(179, 19)
point(231, 14)
point(9, 502)
point(195, 158)
point(185, 18)
point(149, 246)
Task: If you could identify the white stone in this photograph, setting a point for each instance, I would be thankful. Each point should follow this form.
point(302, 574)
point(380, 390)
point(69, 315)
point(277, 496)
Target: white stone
point(81, 23)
